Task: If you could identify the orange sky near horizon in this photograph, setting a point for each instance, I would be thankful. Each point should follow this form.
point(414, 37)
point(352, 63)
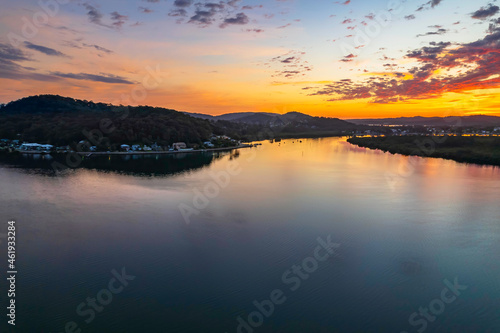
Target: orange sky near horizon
point(347, 60)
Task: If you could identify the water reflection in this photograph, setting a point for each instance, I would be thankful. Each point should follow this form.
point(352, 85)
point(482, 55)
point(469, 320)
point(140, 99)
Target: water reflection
point(135, 165)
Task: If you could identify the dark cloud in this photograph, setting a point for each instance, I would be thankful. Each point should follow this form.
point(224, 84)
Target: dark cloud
point(93, 14)
point(45, 50)
point(255, 30)
point(10, 53)
point(145, 10)
point(118, 19)
point(428, 5)
point(485, 12)
point(348, 58)
point(11, 69)
point(106, 78)
point(178, 12)
point(239, 19)
point(288, 60)
point(205, 13)
point(439, 31)
point(410, 17)
point(434, 3)
point(183, 3)
point(96, 17)
point(98, 48)
point(290, 65)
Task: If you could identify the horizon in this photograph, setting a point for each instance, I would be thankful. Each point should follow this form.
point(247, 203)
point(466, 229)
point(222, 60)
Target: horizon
point(263, 112)
point(345, 59)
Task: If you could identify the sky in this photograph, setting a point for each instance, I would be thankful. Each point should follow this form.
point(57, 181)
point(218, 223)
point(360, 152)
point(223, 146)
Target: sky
point(345, 59)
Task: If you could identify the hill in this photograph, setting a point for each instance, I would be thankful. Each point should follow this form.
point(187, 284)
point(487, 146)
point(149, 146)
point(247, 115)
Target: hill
point(61, 121)
point(290, 121)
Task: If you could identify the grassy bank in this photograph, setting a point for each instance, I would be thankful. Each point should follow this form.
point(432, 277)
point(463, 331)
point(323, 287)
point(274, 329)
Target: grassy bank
point(470, 149)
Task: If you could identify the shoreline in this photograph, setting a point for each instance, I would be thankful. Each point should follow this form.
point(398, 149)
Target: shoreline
point(102, 153)
point(460, 154)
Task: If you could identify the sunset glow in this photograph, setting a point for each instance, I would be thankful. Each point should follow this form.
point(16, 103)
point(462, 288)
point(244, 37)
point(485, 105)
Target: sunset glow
point(346, 59)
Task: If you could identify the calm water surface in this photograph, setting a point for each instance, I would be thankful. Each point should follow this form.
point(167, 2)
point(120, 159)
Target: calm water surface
point(403, 226)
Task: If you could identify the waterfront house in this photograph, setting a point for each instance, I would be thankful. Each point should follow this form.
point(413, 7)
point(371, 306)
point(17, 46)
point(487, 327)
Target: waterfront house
point(179, 145)
point(125, 148)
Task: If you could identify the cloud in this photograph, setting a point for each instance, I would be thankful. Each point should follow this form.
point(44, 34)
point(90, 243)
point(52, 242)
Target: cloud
point(11, 69)
point(439, 31)
point(183, 3)
point(428, 5)
point(255, 30)
point(485, 12)
point(348, 58)
point(205, 13)
point(106, 78)
point(96, 17)
point(93, 14)
point(290, 65)
point(145, 10)
point(239, 19)
point(98, 48)
point(440, 67)
point(410, 17)
point(45, 50)
point(10, 53)
point(434, 3)
point(118, 19)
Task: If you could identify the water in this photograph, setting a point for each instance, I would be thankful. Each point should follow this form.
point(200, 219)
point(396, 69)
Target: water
point(403, 226)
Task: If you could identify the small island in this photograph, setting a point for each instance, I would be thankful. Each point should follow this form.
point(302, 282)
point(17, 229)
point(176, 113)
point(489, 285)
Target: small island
point(484, 150)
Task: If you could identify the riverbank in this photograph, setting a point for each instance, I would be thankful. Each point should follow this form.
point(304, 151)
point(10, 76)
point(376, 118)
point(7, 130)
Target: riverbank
point(464, 149)
point(101, 153)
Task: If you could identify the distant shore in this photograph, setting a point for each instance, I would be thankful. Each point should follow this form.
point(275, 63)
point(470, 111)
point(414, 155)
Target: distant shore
point(482, 150)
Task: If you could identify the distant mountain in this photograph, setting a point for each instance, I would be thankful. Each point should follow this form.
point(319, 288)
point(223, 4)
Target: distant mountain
point(468, 121)
point(290, 119)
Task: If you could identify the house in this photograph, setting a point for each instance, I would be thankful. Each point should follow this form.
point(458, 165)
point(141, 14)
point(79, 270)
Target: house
point(35, 147)
point(125, 148)
point(136, 147)
point(29, 147)
point(179, 145)
point(146, 148)
point(63, 148)
point(93, 148)
point(208, 144)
